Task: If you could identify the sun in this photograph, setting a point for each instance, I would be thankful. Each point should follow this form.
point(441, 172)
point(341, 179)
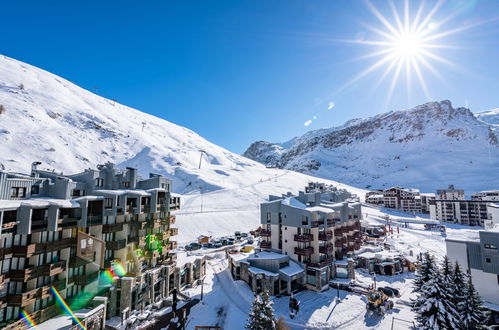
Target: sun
point(405, 43)
point(408, 45)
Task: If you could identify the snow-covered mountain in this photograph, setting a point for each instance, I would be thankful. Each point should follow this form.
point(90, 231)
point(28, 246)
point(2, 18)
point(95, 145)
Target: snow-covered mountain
point(490, 116)
point(49, 119)
point(428, 147)
point(46, 118)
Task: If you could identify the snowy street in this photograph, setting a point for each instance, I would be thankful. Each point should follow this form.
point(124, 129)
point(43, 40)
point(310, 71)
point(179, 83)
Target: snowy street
point(226, 302)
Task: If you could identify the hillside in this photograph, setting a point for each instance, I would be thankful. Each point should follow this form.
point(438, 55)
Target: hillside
point(47, 118)
point(428, 147)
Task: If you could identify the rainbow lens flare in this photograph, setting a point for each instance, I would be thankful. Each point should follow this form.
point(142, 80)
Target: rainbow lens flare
point(30, 323)
point(64, 305)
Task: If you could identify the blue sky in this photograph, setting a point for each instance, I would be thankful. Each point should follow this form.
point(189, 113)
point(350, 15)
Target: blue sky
point(240, 71)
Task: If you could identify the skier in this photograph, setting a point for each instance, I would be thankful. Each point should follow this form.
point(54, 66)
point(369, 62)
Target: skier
point(294, 306)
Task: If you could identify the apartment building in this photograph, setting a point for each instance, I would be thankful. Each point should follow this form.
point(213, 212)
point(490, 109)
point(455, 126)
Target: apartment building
point(403, 199)
point(450, 193)
point(482, 257)
point(488, 195)
point(312, 232)
point(451, 206)
point(67, 230)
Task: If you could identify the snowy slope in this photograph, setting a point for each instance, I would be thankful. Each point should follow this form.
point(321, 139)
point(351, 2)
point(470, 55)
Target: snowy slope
point(69, 129)
point(428, 147)
point(490, 116)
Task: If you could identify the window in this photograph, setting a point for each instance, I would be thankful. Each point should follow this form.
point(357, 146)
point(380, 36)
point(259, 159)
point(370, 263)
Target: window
point(268, 216)
point(35, 190)
point(108, 203)
point(18, 192)
point(487, 260)
point(99, 182)
point(78, 192)
point(126, 184)
point(490, 246)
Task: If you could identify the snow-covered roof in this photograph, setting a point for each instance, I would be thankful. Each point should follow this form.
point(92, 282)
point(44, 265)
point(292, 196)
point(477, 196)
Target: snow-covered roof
point(291, 270)
point(38, 202)
point(123, 191)
point(293, 202)
point(255, 270)
point(266, 255)
point(320, 209)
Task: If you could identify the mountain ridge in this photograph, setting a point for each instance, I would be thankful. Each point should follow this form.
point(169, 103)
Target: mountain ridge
point(384, 139)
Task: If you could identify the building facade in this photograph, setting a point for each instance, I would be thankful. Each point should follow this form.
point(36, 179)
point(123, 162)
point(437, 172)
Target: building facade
point(403, 199)
point(482, 257)
point(312, 232)
point(66, 231)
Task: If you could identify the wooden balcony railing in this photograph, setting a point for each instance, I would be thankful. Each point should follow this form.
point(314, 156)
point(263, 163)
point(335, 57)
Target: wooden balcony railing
point(326, 249)
point(325, 236)
point(112, 228)
point(320, 264)
point(265, 245)
point(304, 238)
point(116, 245)
point(265, 233)
point(304, 251)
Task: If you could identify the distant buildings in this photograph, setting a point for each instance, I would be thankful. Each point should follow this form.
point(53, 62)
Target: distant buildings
point(66, 231)
point(448, 205)
point(451, 206)
point(308, 230)
point(403, 199)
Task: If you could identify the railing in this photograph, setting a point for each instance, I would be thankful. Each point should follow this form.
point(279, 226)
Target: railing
point(112, 227)
point(116, 245)
point(326, 249)
point(3, 279)
point(317, 223)
point(338, 232)
point(338, 244)
point(320, 264)
point(54, 269)
point(5, 252)
point(304, 238)
point(23, 250)
point(173, 245)
point(265, 245)
point(304, 251)
point(173, 231)
point(265, 233)
point(68, 222)
point(325, 236)
point(93, 220)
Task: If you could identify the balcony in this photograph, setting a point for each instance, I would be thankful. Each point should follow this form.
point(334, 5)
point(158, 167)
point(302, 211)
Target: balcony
point(164, 235)
point(265, 244)
point(338, 244)
point(23, 250)
point(4, 252)
point(68, 222)
point(116, 245)
point(325, 236)
point(307, 251)
point(94, 220)
point(172, 219)
point(356, 246)
point(317, 223)
point(84, 279)
point(173, 245)
point(146, 208)
point(326, 249)
point(39, 225)
point(320, 264)
point(156, 223)
point(304, 238)
point(173, 231)
point(265, 233)
point(338, 232)
point(112, 228)
point(54, 269)
point(4, 279)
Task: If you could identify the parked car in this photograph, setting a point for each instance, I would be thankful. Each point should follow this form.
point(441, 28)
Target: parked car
point(193, 246)
point(218, 244)
point(224, 241)
point(237, 234)
point(250, 240)
point(395, 291)
point(244, 235)
point(208, 245)
point(231, 241)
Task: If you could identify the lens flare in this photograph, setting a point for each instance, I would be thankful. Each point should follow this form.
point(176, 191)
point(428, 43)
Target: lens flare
point(64, 305)
point(30, 323)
